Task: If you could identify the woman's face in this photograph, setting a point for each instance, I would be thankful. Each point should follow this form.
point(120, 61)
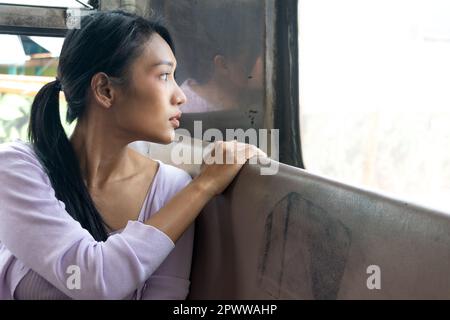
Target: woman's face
point(145, 110)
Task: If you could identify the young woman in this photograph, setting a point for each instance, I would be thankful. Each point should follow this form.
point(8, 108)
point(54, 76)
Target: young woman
point(86, 217)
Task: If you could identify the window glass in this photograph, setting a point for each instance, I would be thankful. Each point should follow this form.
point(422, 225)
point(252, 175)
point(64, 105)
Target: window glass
point(219, 48)
point(26, 65)
point(374, 94)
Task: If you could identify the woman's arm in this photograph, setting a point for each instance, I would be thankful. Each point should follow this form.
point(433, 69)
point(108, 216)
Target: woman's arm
point(171, 280)
point(180, 212)
point(37, 230)
point(228, 159)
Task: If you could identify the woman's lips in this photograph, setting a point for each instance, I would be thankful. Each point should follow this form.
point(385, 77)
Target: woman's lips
point(175, 120)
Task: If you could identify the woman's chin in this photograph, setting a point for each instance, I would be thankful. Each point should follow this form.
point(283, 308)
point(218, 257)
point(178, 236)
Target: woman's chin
point(168, 138)
point(172, 136)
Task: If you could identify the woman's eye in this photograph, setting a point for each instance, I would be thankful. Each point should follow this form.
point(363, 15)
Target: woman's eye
point(164, 76)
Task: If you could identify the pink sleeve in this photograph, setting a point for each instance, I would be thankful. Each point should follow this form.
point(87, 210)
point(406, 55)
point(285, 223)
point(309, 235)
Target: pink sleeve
point(38, 231)
point(171, 280)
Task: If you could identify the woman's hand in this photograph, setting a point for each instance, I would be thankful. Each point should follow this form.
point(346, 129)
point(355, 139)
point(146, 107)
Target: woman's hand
point(223, 163)
point(218, 170)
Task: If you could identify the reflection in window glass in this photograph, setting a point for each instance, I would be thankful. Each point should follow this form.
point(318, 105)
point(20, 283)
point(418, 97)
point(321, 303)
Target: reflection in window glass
point(220, 44)
point(26, 65)
point(374, 94)
point(219, 49)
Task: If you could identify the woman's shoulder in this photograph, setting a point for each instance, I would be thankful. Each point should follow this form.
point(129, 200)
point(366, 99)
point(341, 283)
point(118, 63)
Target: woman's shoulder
point(172, 178)
point(18, 159)
point(16, 150)
point(16, 145)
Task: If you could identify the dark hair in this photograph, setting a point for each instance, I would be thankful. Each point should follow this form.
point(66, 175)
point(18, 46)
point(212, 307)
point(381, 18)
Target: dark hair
point(108, 42)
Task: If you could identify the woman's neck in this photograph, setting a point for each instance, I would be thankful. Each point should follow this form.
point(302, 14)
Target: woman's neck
point(102, 154)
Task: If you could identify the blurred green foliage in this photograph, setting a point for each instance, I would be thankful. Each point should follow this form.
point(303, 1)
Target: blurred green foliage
point(15, 114)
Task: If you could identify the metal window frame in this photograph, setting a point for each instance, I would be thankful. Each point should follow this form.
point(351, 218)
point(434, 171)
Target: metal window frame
point(282, 78)
point(34, 21)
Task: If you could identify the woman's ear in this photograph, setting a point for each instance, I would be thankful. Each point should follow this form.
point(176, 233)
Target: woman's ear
point(102, 90)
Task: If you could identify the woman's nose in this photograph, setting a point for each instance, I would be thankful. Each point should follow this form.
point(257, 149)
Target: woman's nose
point(180, 97)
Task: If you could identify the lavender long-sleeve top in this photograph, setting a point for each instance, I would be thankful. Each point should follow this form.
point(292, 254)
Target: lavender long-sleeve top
point(40, 242)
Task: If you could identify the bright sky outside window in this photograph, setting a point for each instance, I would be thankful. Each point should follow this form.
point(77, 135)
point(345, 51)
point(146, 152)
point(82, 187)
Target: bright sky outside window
point(374, 95)
point(49, 3)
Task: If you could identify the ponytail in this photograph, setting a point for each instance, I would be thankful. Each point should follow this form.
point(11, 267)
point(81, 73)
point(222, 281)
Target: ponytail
point(59, 160)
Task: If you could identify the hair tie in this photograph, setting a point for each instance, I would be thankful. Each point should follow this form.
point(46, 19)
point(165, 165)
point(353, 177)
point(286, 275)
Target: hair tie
point(58, 84)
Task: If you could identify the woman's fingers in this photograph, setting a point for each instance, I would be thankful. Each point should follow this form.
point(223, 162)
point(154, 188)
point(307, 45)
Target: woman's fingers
point(232, 152)
point(223, 160)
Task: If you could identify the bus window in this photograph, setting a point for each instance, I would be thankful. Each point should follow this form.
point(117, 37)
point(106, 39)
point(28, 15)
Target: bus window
point(26, 64)
point(374, 94)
